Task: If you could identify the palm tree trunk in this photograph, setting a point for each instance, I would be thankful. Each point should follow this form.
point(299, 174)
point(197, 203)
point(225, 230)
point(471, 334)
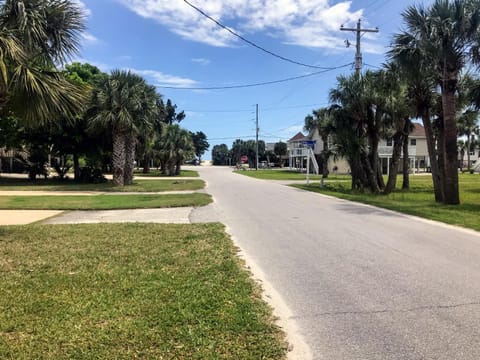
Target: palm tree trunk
point(118, 157)
point(452, 196)
point(432, 154)
point(146, 163)
point(468, 150)
point(406, 162)
point(129, 159)
point(178, 167)
point(393, 169)
point(76, 168)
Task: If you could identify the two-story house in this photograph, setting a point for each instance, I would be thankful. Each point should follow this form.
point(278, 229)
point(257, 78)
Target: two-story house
point(417, 151)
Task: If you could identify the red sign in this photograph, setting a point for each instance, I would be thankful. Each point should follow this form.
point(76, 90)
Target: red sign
point(244, 159)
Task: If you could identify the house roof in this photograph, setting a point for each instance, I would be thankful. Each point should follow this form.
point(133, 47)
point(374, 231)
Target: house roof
point(298, 137)
point(418, 130)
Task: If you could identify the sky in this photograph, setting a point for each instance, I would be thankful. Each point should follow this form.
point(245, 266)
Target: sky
point(171, 44)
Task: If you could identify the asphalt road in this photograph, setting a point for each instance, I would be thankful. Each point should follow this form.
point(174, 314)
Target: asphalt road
point(361, 283)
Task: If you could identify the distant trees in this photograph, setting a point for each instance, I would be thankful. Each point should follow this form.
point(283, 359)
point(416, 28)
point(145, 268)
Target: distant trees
point(200, 144)
point(221, 155)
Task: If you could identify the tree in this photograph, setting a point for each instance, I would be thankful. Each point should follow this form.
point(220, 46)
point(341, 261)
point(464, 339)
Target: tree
point(321, 121)
point(446, 37)
point(36, 36)
point(280, 149)
point(123, 103)
point(220, 155)
point(176, 145)
point(170, 114)
point(73, 134)
point(200, 143)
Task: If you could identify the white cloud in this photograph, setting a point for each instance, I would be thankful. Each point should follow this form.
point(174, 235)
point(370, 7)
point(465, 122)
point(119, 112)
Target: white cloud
point(158, 78)
point(84, 7)
point(89, 38)
point(308, 23)
point(201, 61)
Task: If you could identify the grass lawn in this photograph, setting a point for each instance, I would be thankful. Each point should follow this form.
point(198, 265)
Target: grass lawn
point(157, 173)
point(103, 202)
point(286, 175)
point(129, 291)
point(7, 184)
point(419, 200)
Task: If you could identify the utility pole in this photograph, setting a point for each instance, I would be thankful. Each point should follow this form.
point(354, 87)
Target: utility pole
point(256, 138)
point(358, 54)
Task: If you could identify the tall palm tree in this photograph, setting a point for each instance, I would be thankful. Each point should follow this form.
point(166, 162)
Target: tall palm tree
point(446, 34)
point(123, 103)
point(35, 37)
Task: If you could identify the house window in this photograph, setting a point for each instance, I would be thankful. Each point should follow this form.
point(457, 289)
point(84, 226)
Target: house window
point(389, 142)
point(413, 142)
point(329, 142)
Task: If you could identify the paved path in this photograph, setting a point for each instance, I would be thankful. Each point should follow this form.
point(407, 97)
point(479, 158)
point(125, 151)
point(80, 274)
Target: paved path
point(360, 282)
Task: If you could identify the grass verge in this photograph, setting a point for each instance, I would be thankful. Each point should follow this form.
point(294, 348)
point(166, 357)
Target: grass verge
point(419, 200)
point(13, 184)
point(158, 173)
point(286, 175)
point(127, 291)
point(103, 202)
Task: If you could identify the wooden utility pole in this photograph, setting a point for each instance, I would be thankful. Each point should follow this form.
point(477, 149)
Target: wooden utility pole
point(256, 138)
point(358, 54)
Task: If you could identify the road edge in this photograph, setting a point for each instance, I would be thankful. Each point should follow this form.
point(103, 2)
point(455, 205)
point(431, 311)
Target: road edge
point(298, 349)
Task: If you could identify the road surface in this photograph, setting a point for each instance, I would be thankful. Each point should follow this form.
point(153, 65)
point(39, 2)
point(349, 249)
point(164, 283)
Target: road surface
point(361, 283)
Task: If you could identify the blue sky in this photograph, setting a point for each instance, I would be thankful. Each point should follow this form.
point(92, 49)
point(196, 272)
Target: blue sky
point(171, 44)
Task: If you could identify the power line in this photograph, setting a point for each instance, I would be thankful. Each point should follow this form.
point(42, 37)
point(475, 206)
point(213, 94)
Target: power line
point(263, 110)
point(255, 84)
point(251, 43)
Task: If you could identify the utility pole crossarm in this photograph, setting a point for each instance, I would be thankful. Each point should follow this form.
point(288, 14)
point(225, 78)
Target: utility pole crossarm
point(358, 30)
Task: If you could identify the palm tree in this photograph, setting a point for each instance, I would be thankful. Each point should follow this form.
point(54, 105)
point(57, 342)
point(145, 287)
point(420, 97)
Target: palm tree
point(123, 103)
point(355, 95)
point(446, 37)
point(36, 36)
point(177, 145)
point(321, 121)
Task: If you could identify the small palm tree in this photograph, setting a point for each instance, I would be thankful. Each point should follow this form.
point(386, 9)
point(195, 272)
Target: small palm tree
point(177, 146)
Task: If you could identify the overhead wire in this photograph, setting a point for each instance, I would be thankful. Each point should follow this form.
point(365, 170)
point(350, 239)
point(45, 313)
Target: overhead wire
point(255, 84)
point(251, 43)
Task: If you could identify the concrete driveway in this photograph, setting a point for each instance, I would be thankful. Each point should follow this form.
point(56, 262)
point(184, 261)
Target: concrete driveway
point(359, 282)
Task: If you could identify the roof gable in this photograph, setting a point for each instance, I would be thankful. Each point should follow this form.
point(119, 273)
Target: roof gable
point(298, 137)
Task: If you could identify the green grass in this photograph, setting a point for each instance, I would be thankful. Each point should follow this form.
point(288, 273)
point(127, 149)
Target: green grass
point(285, 175)
point(419, 200)
point(129, 291)
point(9, 184)
point(157, 173)
point(103, 202)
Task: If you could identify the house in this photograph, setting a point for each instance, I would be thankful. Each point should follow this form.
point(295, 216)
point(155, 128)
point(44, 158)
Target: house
point(417, 151)
point(296, 151)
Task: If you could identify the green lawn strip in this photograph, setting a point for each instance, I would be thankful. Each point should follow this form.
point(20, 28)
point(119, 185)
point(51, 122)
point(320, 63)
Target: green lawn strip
point(158, 173)
point(128, 291)
point(7, 184)
point(419, 200)
point(103, 202)
point(285, 175)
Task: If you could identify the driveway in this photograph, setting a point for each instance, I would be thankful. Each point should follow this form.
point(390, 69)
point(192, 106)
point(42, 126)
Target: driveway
point(359, 282)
